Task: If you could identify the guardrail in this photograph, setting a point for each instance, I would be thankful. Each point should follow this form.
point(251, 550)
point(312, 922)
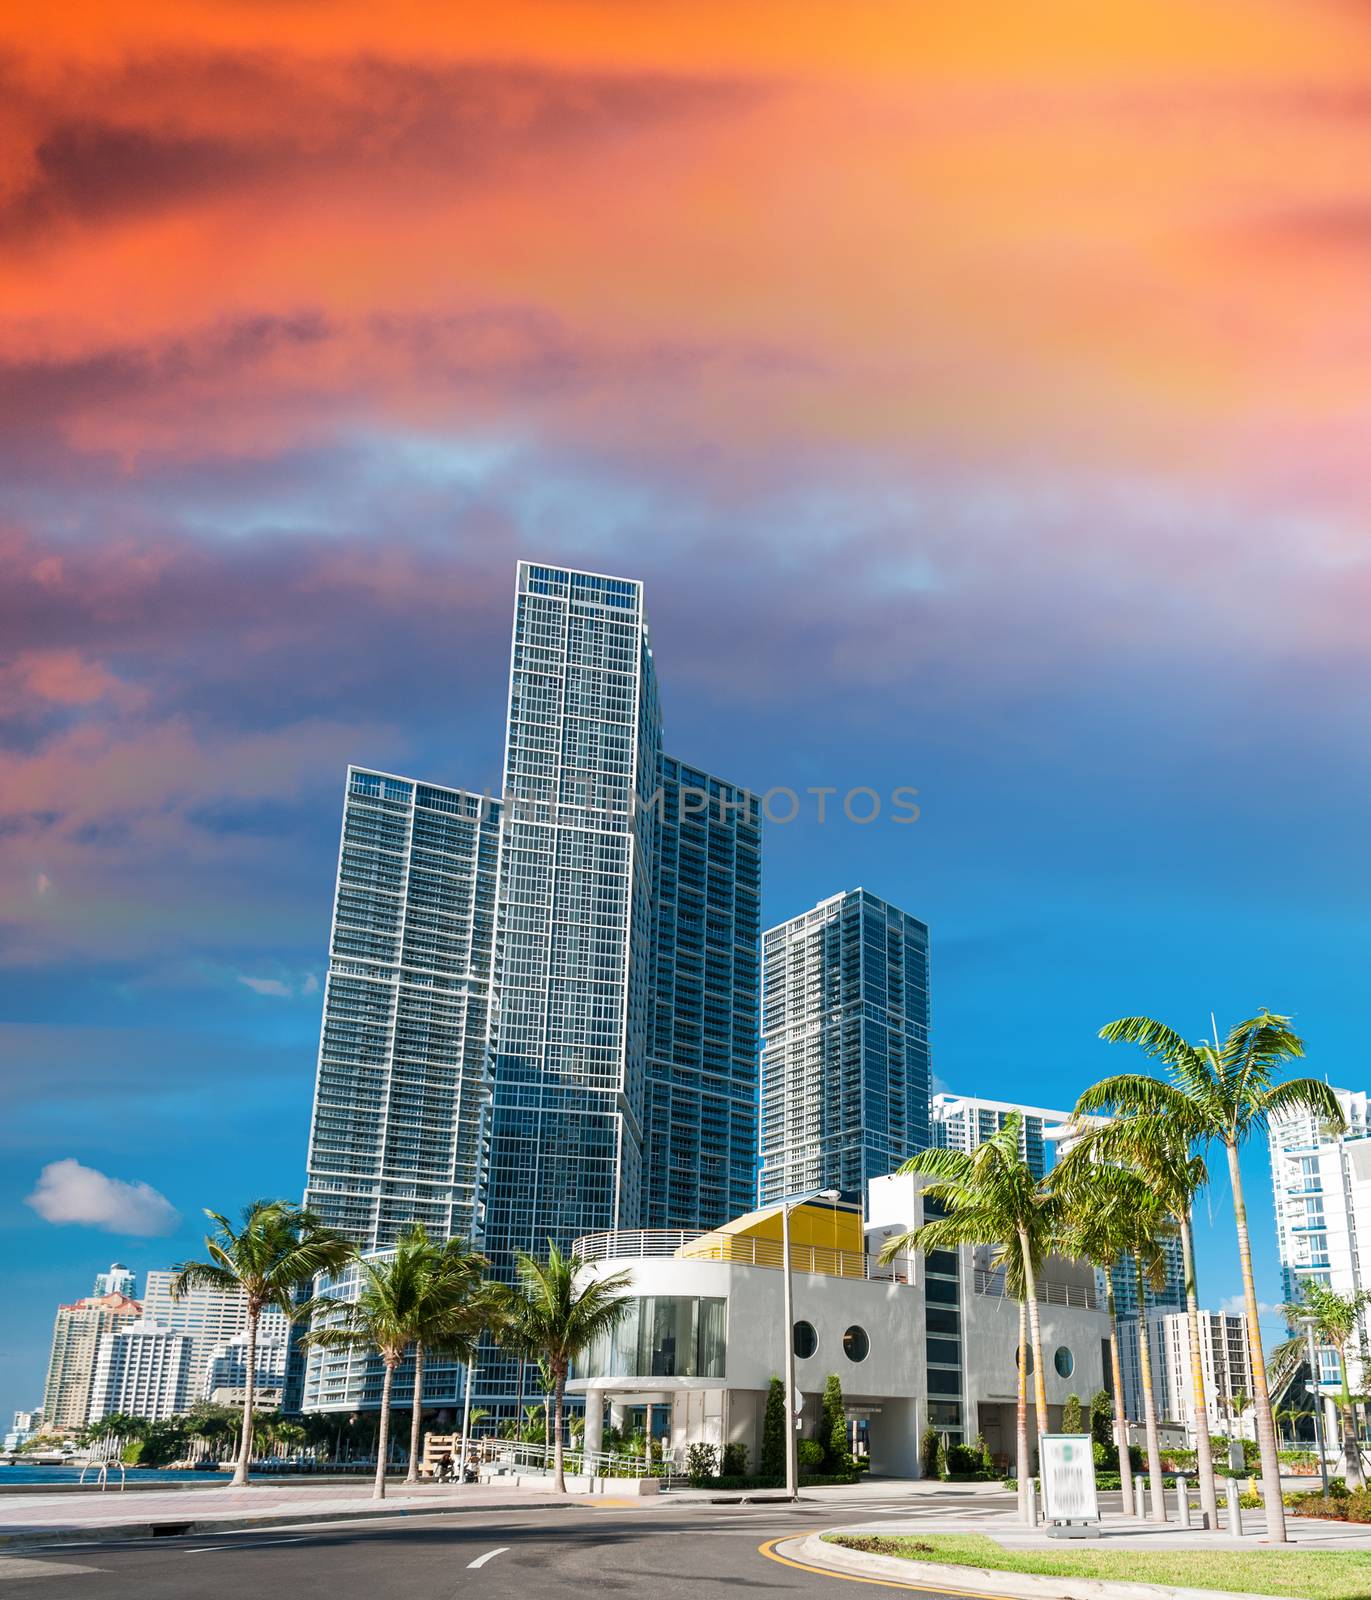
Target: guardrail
point(1050, 1291)
point(743, 1248)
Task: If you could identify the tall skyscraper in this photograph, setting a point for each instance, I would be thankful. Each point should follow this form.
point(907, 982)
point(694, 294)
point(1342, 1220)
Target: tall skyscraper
point(541, 1012)
point(575, 913)
point(845, 1063)
point(401, 1094)
point(700, 1122)
point(76, 1338)
point(965, 1122)
point(1322, 1188)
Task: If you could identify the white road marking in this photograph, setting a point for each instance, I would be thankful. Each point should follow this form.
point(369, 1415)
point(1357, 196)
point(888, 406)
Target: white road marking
point(262, 1544)
point(480, 1561)
point(19, 1567)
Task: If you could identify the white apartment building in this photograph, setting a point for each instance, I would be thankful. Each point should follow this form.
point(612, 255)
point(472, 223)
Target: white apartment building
point(1321, 1184)
point(212, 1317)
point(964, 1122)
point(1223, 1354)
point(26, 1424)
point(143, 1370)
point(227, 1374)
point(117, 1279)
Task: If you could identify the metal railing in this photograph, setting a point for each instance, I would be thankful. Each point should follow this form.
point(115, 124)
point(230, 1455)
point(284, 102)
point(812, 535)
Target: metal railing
point(745, 1249)
point(511, 1455)
point(1051, 1292)
point(102, 1474)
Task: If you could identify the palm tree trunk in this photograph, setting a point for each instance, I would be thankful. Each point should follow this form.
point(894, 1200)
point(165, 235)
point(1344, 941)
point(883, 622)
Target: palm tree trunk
point(1154, 1448)
point(1036, 1338)
point(240, 1472)
point(1351, 1454)
point(558, 1476)
point(1204, 1450)
point(417, 1416)
point(1266, 1432)
point(1022, 1430)
point(1120, 1415)
point(378, 1490)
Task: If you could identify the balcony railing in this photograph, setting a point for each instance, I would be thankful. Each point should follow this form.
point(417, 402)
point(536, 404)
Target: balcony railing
point(744, 1249)
point(1051, 1292)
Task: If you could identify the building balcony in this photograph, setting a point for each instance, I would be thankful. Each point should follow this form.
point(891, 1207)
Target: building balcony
point(741, 1249)
point(1051, 1291)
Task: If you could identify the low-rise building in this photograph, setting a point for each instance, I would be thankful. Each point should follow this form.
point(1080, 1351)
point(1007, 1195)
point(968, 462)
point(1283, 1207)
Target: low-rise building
point(928, 1340)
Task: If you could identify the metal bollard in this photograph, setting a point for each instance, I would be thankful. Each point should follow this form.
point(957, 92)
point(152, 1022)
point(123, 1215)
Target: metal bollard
point(1139, 1499)
point(1032, 1503)
point(1234, 1509)
point(1182, 1502)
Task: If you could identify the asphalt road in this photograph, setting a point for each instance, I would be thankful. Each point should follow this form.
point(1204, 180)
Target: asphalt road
point(694, 1552)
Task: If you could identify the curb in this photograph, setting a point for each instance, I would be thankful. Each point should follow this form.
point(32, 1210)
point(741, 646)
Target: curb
point(203, 1527)
point(986, 1581)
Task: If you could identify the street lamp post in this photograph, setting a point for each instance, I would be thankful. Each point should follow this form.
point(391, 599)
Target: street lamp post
point(792, 1465)
point(1308, 1324)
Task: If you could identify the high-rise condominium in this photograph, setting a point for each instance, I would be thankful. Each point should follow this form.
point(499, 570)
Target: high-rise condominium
point(1322, 1186)
point(76, 1336)
point(962, 1122)
point(845, 1064)
point(541, 1010)
point(403, 1078)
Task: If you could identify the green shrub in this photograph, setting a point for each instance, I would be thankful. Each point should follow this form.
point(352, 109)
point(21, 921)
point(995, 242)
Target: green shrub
point(1071, 1414)
point(963, 1461)
point(930, 1449)
point(702, 1464)
point(734, 1464)
point(832, 1434)
point(1102, 1418)
point(810, 1454)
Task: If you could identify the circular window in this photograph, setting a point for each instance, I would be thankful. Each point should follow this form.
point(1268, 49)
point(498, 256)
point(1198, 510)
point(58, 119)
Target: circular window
point(1064, 1362)
point(806, 1340)
point(856, 1345)
point(1019, 1355)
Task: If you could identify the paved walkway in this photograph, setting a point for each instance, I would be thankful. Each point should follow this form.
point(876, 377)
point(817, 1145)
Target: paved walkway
point(76, 1512)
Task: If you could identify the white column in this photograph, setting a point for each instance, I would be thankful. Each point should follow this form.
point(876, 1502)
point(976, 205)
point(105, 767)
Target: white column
point(595, 1420)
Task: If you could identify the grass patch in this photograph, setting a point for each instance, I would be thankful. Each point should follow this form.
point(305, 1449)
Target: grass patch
point(1312, 1574)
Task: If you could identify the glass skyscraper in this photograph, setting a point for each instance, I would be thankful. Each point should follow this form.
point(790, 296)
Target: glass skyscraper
point(402, 1091)
point(541, 1012)
point(700, 1120)
point(845, 1064)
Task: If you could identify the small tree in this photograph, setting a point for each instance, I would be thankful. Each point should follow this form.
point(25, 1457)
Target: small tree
point(832, 1433)
point(930, 1451)
point(773, 1432)
point(1102, 1418)
point(1071, 1414)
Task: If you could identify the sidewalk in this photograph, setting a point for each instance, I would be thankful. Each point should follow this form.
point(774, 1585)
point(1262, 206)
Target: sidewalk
point(68, 1515)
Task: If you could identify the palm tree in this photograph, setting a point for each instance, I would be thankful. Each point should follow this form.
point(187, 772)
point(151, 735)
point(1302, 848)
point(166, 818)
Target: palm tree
point(991, 1198)
point(1225, 1091)
point(456, 1305)
point(1337, 1318)
point(387, 1316)
point(1113, 1215)
point(556, 1315)
point(276, 1250)
point(1156, 1147)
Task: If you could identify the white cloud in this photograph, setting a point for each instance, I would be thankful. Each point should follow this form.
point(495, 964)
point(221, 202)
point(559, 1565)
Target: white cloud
point(69, 1192)
point(272, 986)
point(1235, 1305)
point(310, 985)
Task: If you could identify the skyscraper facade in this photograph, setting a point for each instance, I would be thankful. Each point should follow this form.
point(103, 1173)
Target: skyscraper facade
point(1321, 1182)
point(845, 1052)
point(402, 1084)
point(541, 1012)
point(700, 1117)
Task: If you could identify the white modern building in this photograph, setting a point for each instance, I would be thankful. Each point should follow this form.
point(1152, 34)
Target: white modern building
point(965, 1122)
point(1321, 1183)
point(212, 1317)
point(1223, 1354)
point(76, 1336)
point(26, 1424)
point(929, 1340)
point(143, 1370)
point(845, 1065)
point(226, 1376)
